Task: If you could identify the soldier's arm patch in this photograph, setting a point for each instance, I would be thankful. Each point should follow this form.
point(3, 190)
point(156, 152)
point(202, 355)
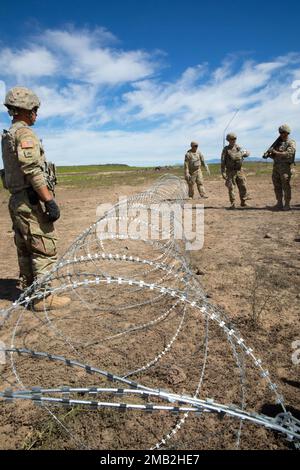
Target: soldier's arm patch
point(27, 144)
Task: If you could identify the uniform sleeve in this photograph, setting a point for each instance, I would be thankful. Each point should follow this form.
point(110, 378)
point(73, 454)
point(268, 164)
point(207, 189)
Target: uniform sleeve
point(186, 165)
point(29, 156)
point(289, 154)
point(202, 160)
point(243, 152)
point(223, 160)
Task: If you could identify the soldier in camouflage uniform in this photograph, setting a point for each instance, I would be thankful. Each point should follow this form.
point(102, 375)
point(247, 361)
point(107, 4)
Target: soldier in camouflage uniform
point(232, 171)
point(193, 162)
point(283, 153)
point(25, 178)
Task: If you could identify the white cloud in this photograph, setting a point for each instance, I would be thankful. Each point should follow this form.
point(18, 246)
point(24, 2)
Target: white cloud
point(73, 101)
point(33, 62)
point(86, 146)
point(89, 61)
point(2, 91)
point(103, 104)
point(201, 101)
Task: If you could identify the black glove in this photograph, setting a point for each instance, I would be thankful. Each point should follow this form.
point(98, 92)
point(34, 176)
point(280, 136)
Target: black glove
point(52, 210)
point(33, 196)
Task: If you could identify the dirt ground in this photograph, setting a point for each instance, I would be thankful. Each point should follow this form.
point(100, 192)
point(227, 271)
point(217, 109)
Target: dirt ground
point(249, 266)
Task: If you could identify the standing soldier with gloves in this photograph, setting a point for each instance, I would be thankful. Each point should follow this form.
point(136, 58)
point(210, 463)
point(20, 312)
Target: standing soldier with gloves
point(193, 162)
point(283, 153)
point(28, 178)
point(232, 171)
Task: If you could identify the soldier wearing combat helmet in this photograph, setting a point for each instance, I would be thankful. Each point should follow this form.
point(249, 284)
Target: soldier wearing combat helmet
point(283, 153)
point(32, 207)
point(193, 162)
point(232, 171)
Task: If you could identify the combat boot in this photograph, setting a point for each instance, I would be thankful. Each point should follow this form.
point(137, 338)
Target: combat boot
point(278, 206)
point(287, 207)
point(244, 204)
point(233, 206)
point(24, 282)
point(51, 302)
point(203, 196)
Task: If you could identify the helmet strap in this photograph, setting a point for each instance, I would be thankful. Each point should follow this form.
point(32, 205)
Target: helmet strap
point(13, 112)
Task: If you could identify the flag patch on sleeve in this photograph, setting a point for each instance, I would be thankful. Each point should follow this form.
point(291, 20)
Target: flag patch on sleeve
point(27, 144)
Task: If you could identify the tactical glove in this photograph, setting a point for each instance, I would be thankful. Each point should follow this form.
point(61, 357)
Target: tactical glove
point(224, 176)
point(33, 196)
point(52, 210)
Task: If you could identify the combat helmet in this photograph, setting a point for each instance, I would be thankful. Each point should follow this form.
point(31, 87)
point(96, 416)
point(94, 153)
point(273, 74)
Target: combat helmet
point(284, 128)
point(22, 98)
point(231, 136)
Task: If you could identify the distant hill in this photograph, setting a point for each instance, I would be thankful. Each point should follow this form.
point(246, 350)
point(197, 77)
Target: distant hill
point(249, 160)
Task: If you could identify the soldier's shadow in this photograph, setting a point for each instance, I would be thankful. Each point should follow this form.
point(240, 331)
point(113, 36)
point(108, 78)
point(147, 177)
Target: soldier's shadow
point(293, 208)
point(263, 208)
point(292, 383)
point(209, 207)
point(9, 289)
point(248, 209)
point(273, 410)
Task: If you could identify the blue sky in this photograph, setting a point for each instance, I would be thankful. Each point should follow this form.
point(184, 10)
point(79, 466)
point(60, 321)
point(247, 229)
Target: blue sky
point(134, 82)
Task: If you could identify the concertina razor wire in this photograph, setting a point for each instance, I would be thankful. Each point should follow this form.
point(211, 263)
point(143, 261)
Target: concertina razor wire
point(140, 319)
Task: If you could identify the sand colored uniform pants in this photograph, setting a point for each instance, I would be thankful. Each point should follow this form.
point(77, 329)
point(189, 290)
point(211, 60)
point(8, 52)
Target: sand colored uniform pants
point(193, 162)
point(281, 178)
point(34, 238)
point(236, 178)
point(196, 178)
point(282, 172)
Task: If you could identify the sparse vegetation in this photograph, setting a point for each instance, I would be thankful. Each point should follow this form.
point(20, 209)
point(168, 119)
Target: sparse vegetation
point(121, 174)
point(265, 293)
point(108, 175)
point(260, 295)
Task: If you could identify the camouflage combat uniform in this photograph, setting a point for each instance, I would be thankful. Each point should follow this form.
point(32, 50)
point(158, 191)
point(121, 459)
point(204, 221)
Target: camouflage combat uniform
point(192, 167)
point(231, 164)
point(35, 239)
point(282, 173)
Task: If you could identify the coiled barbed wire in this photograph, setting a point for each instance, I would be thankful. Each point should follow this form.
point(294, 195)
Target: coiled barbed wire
point(137, 310)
